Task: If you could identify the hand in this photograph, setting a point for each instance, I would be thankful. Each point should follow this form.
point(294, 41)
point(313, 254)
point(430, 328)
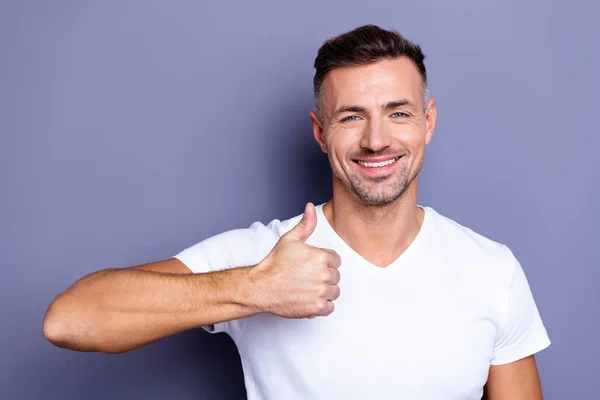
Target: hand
point(297, 280)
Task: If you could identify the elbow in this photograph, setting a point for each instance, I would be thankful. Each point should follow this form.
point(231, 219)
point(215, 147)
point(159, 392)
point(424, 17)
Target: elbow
point(64, 327)
point(70, 330)
point(54, 333)
point(54, 327)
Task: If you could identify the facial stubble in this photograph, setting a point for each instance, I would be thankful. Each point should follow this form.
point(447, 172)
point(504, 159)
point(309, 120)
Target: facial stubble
point(379, 191)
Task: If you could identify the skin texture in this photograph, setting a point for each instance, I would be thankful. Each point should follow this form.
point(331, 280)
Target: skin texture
point(377, 214)
point(383, 118)
point(516, 381)
point(369, 113)
point(374, 112)
point(301, 280)
point(118, 310)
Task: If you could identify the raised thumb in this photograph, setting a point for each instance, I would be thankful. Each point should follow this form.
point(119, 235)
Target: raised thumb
point(306, 226)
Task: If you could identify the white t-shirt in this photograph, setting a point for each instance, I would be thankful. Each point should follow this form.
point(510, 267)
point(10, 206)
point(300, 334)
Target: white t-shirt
point(428, 326)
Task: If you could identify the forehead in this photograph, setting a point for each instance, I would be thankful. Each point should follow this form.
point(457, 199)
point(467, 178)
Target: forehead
point(372, 84)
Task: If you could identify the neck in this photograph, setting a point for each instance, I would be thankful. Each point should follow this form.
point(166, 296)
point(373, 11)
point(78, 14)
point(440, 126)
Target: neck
point(380, 234)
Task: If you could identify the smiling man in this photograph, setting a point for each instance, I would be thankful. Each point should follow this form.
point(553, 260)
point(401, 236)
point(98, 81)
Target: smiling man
point(411, 304)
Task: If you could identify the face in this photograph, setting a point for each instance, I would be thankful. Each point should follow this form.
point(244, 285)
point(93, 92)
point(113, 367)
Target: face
point(374, 129)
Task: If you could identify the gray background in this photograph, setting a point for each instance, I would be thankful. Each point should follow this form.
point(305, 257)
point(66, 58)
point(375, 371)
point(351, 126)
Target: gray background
point(131, 130)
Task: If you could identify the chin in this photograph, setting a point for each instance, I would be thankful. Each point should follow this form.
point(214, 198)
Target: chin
point(371, 198)
point(376, 202)
point(379, 202)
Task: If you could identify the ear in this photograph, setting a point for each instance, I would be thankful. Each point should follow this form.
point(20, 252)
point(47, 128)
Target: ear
point(430, 120)
point(318, 131)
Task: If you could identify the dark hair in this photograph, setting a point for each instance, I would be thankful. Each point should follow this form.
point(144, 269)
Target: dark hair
point(365, 45)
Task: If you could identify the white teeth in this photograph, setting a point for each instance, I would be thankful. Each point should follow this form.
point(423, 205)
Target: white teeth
point(378, 164)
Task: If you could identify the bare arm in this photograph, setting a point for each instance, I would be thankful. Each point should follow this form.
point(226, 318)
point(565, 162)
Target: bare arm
point(118, 310)
point(515, 381)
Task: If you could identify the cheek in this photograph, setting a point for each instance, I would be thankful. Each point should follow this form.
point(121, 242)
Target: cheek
point(339, 146)
point(412, 137)
point(409, 131)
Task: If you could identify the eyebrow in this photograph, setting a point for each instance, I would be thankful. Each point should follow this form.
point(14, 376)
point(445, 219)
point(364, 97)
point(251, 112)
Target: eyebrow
point(399, 103)
point(390, 105)
point(344, 109)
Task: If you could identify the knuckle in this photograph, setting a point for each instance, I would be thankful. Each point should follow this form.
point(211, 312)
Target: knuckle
point(323, 291)
point(314, 308)
point(323, 257)
point(320, 305)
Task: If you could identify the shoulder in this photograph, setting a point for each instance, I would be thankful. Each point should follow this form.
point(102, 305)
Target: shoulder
point(485, 270)
point(460, 237)
point(470, 248)
point(236, 247)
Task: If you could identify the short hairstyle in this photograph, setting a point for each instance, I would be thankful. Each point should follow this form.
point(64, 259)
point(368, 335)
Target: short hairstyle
point(365, 45)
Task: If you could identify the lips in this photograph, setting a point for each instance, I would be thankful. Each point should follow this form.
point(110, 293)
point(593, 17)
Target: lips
point(377, 163)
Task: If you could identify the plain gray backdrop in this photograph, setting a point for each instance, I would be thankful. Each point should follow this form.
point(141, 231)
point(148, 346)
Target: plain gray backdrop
point(133, 129)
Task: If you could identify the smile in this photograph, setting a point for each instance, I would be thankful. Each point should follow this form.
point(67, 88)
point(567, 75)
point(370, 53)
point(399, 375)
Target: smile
point(377, 164)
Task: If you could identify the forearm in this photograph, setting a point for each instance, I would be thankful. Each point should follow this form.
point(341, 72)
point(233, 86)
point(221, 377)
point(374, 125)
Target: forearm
point(119, 310)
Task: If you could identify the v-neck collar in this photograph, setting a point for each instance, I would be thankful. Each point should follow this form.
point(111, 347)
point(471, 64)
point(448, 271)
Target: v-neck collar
point(395, 265)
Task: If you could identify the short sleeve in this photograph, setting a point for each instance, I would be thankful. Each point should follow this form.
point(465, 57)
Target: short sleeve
point(523, 332)
point(230, 249)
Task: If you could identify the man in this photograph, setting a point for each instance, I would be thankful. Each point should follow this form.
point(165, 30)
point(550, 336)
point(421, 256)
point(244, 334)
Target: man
point(426, 308)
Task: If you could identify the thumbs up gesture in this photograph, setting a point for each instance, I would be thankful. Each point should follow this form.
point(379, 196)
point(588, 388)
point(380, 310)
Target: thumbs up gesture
point(297, 280)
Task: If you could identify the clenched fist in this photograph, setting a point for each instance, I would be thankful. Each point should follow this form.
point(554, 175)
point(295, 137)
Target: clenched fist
point(297, 280)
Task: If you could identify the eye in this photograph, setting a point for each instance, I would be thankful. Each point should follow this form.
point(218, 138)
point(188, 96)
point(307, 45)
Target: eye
point(399, 115)
point(350, 118)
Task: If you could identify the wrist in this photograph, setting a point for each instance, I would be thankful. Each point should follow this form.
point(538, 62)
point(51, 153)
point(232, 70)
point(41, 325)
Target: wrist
point(255, 296)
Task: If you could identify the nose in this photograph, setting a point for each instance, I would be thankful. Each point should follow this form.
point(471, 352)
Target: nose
point(375, 137)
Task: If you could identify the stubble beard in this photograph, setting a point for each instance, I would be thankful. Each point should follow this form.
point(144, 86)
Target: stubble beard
point(382, 191)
